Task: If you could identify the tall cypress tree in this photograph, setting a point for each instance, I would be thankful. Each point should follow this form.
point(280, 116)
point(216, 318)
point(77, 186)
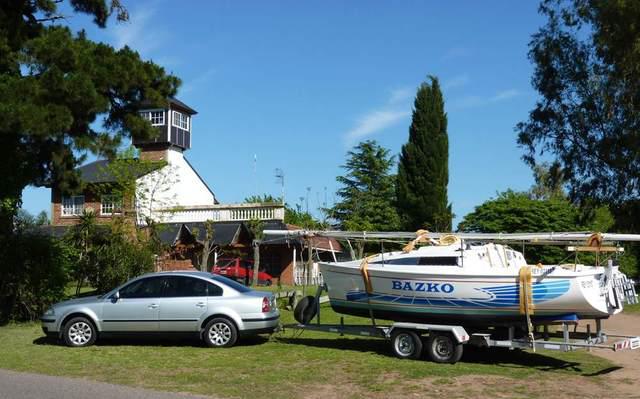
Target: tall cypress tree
point(423, 170)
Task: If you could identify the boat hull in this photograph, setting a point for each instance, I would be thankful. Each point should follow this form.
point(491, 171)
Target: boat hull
point(448, 295)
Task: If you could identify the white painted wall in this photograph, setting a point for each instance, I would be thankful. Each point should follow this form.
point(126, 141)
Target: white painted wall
point(175, 185)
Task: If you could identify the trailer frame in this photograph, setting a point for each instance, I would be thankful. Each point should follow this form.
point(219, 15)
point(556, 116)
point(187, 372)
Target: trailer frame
point(445, 341)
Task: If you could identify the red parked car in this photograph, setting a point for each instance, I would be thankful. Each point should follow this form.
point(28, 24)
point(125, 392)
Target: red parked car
point(238, 269)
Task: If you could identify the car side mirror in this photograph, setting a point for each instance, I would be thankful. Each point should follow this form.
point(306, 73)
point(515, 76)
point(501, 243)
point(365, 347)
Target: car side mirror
point(115, 297)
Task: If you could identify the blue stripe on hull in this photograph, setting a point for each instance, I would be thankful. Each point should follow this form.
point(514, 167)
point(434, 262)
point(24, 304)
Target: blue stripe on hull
point(503, 296)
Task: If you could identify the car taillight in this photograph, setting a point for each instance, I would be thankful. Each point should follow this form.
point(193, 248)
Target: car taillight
point(266, 307)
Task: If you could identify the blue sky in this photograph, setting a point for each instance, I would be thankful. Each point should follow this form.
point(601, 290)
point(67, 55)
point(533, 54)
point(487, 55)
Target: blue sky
point(297, 84)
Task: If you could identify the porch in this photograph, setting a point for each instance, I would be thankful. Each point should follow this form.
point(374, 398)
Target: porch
point(219, 213)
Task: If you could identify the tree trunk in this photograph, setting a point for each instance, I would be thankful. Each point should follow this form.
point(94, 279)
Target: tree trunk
point(256, 262)
point(204, 259)
point(309, 263)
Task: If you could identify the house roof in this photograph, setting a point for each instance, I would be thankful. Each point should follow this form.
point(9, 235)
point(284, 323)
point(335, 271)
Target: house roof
point(215, 200)
point(224, 233)
point(180, 104)
point(319, 243)
point(98, 171)
point(172, 102)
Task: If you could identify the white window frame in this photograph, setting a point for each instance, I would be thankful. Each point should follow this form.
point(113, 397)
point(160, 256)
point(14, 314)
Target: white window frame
point(148, 115)
point(115, 205)
point(72, 206)
point(178, 119)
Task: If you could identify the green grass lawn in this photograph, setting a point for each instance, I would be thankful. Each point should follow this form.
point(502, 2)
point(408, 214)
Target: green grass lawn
point(632, 308)
point(289, 364)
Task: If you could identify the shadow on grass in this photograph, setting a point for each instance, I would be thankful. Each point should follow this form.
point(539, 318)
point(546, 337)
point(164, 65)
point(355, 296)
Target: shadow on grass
point(159, 340)
point(499, 357)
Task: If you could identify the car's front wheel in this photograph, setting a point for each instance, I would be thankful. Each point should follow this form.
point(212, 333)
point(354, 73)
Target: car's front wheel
point(79, 332)
point(220, 333)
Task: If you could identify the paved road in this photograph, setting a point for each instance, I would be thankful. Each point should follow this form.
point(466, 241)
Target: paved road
point(15, 385)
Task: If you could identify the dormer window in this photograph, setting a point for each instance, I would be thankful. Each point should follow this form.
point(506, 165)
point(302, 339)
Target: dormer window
point(180, 120)
point(155, 117)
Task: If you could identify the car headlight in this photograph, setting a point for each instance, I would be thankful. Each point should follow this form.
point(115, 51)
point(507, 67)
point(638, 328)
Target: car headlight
point(49, 312)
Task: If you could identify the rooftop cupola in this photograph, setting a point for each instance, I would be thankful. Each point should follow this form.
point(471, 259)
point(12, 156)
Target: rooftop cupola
point(174, 126)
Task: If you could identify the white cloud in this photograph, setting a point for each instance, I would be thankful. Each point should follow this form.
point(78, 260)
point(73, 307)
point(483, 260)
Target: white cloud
point(400, 95)
point(473, 101)
point(198, 81)
point(456, 81)
point(373, 122)
point(505, 95)
point(139, 32)
point(395, 110)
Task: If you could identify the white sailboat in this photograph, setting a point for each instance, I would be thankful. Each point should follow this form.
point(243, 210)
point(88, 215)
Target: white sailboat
point(476, 279)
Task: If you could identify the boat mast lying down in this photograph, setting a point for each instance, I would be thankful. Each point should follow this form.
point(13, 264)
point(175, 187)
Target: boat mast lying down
point(551, 238)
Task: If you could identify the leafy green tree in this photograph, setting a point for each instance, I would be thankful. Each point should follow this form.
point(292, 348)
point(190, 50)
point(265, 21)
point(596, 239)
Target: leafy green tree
point(549, 180)
point(514, 212)
point(587, 71)
point(423, 170)
point(86, 239)
point(66, 83)
point(367, 193)
point(208, 243)
point(123, 254)
point(36, 270)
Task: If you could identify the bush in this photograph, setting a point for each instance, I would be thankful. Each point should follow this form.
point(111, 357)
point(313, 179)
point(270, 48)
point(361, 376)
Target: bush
point(35, 273)
point(109, 255)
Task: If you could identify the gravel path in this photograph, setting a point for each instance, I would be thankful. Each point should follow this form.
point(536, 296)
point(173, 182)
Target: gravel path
point(628, 360)
point(15, 385)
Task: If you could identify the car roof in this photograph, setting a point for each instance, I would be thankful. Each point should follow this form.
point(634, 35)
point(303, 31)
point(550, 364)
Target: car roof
point(180, 273)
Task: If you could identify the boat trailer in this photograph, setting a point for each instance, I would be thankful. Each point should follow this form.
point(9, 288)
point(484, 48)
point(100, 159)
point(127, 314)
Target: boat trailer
point(444, 343)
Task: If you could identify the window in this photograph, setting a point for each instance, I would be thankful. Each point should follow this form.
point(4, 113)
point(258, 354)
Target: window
point(73, 206)
point(110, 204)
point(214, 290)
point(439, 261)
point(180, 120)
point(424, 261)
point(399, 262)
point(230, 283)
point(178, 286)
point(155, 117)
point(144, 288)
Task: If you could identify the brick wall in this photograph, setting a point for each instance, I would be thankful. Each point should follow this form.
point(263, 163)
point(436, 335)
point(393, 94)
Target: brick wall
point(91, 201)
point(155, 154)
point(163, 265)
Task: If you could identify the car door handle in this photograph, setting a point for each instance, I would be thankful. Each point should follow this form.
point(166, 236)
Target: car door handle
point(200, 304)
point(153, 306)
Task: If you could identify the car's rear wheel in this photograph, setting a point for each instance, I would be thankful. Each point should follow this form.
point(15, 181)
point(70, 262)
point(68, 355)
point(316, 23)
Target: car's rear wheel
point(220, 333)
point(79, 332)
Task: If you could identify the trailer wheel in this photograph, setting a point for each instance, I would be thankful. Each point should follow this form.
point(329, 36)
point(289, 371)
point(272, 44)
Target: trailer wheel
point(442, 348)
point(406, 344)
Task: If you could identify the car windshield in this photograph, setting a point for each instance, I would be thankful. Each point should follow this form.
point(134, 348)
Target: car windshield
point(227, 281)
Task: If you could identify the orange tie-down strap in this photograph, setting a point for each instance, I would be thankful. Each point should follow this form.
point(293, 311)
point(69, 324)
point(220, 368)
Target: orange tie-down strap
point(365, 273)
point(422, 236)
point(526, 290)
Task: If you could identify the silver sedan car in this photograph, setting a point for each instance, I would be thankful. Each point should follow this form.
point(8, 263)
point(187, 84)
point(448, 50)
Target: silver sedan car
point(215, 308)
